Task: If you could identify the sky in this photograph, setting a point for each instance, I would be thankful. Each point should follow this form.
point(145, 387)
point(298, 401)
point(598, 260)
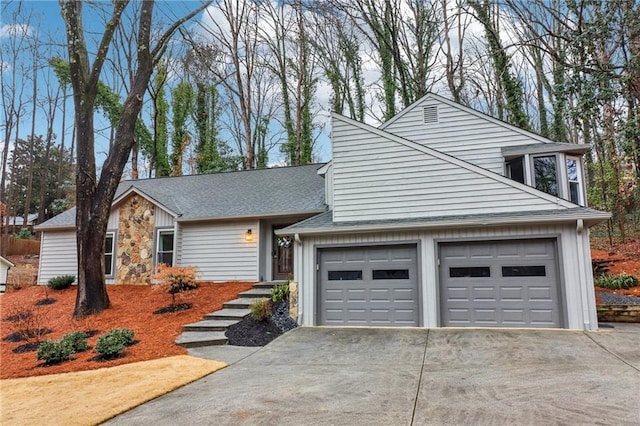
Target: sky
point(47, 22)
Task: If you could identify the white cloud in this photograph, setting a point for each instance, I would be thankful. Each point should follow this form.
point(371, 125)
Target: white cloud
point(13, 30)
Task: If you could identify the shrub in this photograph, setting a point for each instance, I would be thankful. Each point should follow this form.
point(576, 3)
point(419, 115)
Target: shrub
point(114, 341)
point(77, 340)
point(616, 282)
point(175, 279)
point(280, 292)
point(54, 352)
point(24, 234)
point(61, 282)
point(29, 324)
point(260, 309)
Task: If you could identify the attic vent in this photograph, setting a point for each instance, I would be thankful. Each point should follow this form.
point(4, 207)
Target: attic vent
point(430, 114)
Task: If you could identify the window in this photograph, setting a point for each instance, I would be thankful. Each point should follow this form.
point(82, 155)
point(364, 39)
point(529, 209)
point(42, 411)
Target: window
point(165, 247)
point(108, 253)
point(545, 174)
point(524, 271)
point(390, 274)
point(515, 169)
point(345, 275)
point(574, 175)
point(470, 272)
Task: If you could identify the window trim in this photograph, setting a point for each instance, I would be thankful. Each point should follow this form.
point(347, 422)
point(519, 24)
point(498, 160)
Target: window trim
point(111, 274)
point(156, 252)
point(581, 187)
point(559, 185)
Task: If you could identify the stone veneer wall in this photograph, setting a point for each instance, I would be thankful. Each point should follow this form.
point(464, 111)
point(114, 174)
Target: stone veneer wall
point(134, 254)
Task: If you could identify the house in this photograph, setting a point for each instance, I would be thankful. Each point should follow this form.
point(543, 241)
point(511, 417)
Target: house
point(442, 216)
point(5, 265)
point(17, 223)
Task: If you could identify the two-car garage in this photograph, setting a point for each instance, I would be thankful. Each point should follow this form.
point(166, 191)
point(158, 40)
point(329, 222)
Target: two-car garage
point(510, 283)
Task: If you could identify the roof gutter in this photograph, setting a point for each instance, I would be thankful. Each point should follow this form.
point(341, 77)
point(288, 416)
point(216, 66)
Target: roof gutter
point(587, 220)
point(251, 216)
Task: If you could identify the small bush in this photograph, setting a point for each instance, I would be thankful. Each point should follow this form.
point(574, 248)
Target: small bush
point(261, 309)
point(114, 341)
point(54, 352)
point(176, 279)
point(616, 282)
point(77, 340)
point(61, 282)
point(280, 292)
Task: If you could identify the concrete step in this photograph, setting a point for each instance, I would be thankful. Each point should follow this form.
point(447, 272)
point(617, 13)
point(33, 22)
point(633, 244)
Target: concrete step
point(209, 325)
point(256, 293)
point(196, 339)
point(241, 303)
point(227, 314)
point(267, 284)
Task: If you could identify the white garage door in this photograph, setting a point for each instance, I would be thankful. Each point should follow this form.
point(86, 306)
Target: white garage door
point(375, 285)
point(502, 284)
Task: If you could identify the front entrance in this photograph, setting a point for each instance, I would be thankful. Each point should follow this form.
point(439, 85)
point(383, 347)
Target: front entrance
point(282, 253)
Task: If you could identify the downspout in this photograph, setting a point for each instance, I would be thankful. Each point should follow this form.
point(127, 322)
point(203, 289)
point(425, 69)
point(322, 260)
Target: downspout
point(582, 275)
point(298, 267)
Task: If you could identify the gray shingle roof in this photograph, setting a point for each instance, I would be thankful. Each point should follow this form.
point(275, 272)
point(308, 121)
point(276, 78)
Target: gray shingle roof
point(249, 193)
point(323, 222)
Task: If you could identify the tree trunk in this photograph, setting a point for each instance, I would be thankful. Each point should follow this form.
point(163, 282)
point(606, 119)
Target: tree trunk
point(92, 295)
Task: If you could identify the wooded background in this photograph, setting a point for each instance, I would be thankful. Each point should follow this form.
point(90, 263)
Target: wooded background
point(250, 84)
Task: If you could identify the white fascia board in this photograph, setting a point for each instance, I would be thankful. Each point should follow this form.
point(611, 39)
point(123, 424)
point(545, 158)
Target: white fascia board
point(590, 219)
point(245, 217)
point(132, 189)
point(324, 169)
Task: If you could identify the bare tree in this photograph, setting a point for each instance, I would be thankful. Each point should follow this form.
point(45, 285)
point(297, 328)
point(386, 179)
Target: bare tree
point(12, 86)
point(94, 195)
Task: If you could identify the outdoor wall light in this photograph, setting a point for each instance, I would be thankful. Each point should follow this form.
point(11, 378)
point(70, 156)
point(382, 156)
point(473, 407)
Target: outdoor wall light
point(248, 236)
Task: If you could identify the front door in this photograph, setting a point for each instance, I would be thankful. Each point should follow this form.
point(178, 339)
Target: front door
point(282, 253)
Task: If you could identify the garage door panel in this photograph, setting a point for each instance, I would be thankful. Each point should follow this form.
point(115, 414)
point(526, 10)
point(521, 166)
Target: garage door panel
point(516, 286)
point(385, 293)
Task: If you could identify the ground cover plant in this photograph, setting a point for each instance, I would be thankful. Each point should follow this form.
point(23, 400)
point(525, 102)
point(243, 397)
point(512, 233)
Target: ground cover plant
point(132, 307)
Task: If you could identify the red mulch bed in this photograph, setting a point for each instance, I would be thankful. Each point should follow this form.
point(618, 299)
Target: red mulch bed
point(131, 307)
point(624, 258)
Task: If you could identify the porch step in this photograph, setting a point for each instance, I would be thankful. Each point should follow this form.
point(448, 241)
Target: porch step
point(241, 303)
point(211, 331)
point(227, 314)
point(268, 284)
point(256, 293)
point(209, 325)
point(196, 339)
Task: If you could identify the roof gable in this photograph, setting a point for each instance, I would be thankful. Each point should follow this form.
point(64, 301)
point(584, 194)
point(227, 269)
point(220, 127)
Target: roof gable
point(462, 132)
point(378, 175)
point(431, 98)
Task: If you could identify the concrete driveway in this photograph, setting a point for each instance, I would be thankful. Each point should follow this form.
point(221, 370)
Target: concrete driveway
point(347, 376)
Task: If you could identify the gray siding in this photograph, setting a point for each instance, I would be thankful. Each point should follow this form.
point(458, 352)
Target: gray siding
point(3, 273)
point(378, 178)
point(113, 218)
point(576, 278)
point(163, 218)
point(58, 255)
point(473, 138)
point(219, 250)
